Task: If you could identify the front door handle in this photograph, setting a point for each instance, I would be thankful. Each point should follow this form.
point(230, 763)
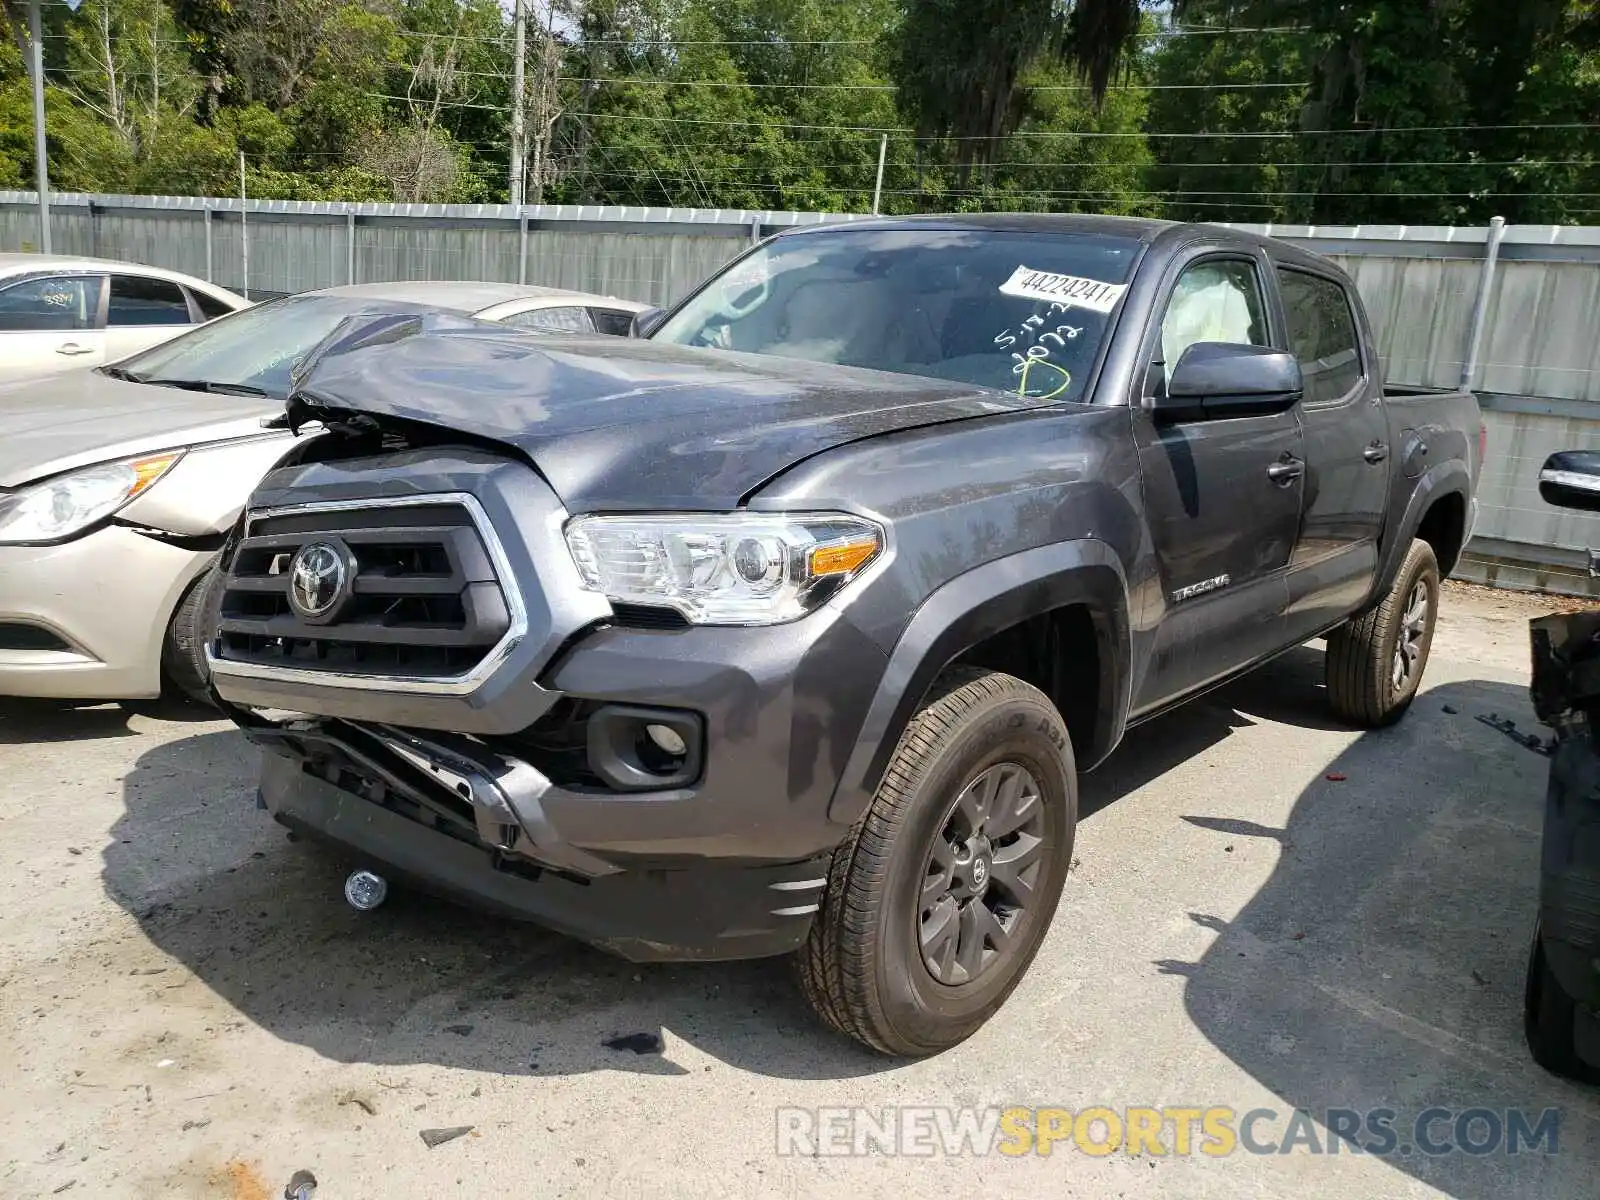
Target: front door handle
point(73, 348)
point(1375, 453)
point(1286, 471)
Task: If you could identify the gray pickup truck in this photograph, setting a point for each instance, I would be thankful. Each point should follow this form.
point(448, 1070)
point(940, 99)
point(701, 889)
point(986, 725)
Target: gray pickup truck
point(787, 625)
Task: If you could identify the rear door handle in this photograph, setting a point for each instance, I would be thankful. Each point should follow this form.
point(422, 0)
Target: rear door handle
point(1375, 453)
point(1286, 471)
point(72, 348)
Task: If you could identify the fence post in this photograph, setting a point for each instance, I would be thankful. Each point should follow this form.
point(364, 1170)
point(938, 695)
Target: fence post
point(522, 245)
point(205, 214)
point(350, 246)
point(1480, 308)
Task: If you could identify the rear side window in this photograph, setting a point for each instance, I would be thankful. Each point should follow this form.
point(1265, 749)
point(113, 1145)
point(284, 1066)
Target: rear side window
point(614, 321)
point(209, 309)
point(56, 304)
point(138, 301)
point(565, 319)
point(1322, 334)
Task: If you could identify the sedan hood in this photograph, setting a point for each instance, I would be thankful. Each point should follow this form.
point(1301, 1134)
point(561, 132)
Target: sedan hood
point(618, 424)
point(83, 417)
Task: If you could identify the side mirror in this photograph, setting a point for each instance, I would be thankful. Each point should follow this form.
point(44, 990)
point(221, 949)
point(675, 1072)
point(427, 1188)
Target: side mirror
point(1214, 380)
point(1571, 479)
point(645, 321)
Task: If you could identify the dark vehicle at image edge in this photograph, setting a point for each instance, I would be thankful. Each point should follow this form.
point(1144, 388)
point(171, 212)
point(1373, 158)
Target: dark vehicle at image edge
point(788, 627)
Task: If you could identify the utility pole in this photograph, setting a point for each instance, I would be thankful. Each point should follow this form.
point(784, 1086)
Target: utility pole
point(877, 188)
point(244, 228)
point(518, 134)
point(41, 162)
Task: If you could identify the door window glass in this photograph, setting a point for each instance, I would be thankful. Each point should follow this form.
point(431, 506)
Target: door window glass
point(55, 304)
point(1213, 301)
point(139, 301)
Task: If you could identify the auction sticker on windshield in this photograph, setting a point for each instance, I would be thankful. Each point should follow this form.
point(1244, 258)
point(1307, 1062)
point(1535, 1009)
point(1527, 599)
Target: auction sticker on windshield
point(1064, 289)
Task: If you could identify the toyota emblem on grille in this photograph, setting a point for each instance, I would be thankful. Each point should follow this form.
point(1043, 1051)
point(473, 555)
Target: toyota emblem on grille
point(320, 578)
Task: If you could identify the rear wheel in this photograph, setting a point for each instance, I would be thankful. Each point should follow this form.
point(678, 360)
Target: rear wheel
point(1549, 1020)
point(939, 899)
point(1375, 661)
point(183, 651)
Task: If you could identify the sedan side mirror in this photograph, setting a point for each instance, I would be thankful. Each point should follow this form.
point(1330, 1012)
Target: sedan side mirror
point(1571, 479)
point(1214, 380)
point(645, 321)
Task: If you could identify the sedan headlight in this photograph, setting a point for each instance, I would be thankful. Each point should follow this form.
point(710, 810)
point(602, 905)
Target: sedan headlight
point(61, 507)
point(735, 569)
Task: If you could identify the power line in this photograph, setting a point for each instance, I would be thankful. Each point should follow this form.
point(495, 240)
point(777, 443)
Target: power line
point(1087, 134)
point(890, 87)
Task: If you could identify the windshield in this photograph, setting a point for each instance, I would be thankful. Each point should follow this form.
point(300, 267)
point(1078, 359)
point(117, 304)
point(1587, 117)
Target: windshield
point(255, 348)
point(1025, 313)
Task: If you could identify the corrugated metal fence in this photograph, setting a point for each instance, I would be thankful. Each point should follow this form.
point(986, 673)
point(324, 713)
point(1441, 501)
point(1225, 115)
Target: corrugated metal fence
point(1536, 363)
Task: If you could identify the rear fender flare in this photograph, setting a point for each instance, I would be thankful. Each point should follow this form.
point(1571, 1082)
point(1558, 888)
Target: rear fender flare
point(1446, 479)
point(974, 606)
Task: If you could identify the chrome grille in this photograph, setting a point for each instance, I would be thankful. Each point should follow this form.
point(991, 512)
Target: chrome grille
point(424, 599)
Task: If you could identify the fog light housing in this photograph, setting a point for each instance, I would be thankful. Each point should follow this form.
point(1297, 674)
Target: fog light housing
point(645, 749)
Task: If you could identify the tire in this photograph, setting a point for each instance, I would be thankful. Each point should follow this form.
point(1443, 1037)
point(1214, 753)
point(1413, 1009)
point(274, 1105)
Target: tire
point(973, 747)
point(1365, 684)
point(183, 651)
point(1548, 1017)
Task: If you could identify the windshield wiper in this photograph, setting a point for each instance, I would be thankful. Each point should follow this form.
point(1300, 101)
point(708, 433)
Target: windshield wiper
point(212, 385)
point(123, 374)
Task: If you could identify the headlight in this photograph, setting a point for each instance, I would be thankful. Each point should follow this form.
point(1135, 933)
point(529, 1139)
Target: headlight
point(738, 569)
point(60, 507)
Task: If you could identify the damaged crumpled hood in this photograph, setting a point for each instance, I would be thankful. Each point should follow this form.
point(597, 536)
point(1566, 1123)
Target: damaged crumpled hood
point(616, 423)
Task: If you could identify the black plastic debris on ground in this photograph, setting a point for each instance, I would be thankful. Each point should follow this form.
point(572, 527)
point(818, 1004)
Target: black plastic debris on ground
point(1527, 741)
point(302, 1185)
point(639, 1043)
point(438, 1137)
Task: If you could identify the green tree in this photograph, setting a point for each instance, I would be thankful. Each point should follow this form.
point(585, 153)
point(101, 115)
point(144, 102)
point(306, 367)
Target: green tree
point(1211, 80)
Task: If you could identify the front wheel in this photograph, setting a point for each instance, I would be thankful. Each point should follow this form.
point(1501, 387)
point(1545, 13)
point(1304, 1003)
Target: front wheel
point(183, 650)
point(1375, 661)
point(940, 897)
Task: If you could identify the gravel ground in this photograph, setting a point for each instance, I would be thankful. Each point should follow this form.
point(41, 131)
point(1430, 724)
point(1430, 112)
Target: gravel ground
point(1268, 911)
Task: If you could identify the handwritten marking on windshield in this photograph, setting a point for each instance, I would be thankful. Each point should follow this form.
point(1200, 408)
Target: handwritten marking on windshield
point(1026, 369)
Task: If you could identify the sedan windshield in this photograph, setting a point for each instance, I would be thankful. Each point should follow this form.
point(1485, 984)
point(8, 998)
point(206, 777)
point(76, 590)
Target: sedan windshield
point(253, 351)
point(1022, 312)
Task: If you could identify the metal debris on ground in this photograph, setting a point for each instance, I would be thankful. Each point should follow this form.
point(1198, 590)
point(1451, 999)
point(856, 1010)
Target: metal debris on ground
point(639, 1043)
point(438, 1137)
point(1527, 741)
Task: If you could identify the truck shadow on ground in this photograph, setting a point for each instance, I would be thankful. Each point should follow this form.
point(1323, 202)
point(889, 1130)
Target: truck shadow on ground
point(36, 722)
point(1382, 964)
point(1413, 882)
point(261, 921)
